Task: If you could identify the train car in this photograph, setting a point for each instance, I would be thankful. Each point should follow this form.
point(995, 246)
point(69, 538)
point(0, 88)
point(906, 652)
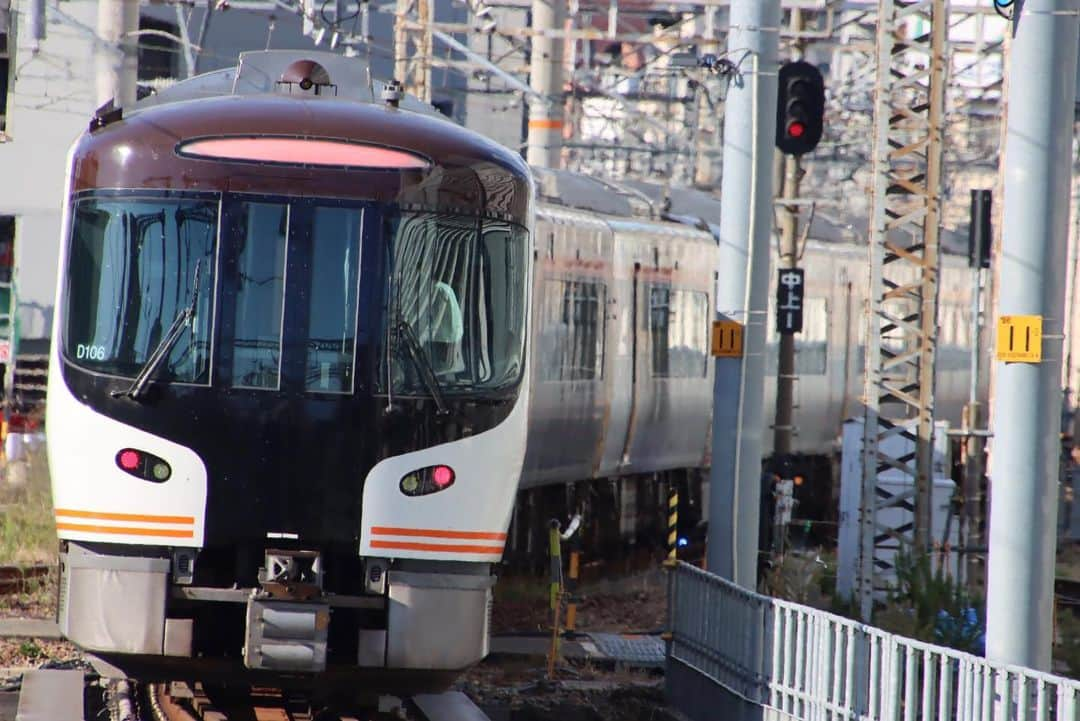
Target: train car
point(599, 446)
point(621, 407)
point(289, 383)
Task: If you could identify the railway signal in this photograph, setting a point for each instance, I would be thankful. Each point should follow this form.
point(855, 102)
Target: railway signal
point(800, 108)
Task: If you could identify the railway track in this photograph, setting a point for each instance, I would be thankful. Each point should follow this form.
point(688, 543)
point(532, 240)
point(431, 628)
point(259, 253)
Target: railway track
point(19, 579)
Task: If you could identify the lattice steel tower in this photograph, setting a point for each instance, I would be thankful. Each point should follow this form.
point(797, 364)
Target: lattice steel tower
point(905, 222)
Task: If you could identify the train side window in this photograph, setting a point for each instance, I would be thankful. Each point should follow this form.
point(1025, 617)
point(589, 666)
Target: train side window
point(678, 332)
point(573, 330)
point(259, 246)
point(332, 305)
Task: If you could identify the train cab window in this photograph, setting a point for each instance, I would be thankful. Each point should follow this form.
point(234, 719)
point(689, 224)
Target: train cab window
point(332, 299)
point(259, 243)
point(572, 348)
point(455, 303)
point(678, 332)
point(139, 269)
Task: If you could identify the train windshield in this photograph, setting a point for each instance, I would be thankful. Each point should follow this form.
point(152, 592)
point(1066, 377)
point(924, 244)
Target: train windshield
point(457, 290)
point(136, 267)
point(156, 292)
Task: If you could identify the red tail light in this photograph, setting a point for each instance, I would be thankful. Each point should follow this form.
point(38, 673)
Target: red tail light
point(129, 460)
point(443, 476)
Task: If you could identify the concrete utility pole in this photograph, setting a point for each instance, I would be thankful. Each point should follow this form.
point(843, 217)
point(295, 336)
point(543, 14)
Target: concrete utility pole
point(116, 56)
point(783, 427)
point(1027, 404)
point(705, 124)
point(742, 290)
point(546, 79)
point(401, 41)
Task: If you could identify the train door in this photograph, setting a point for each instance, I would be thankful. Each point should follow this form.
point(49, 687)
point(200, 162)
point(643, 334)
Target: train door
point(637, 344)
point(622, 358)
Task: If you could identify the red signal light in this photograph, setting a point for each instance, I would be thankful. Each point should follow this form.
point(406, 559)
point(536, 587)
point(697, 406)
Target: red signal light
point(443, 476)
point(796, 129)
point(128, 460)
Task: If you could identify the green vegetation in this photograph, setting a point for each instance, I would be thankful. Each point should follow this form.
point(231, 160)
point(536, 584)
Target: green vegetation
point(30, 650)
point(27, 524)
point(929, 605)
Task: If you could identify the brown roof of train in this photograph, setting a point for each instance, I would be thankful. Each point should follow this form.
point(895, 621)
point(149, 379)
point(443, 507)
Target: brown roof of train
point(469, 173)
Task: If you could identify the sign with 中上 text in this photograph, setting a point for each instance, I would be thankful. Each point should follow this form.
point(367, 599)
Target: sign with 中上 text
point(789, 301)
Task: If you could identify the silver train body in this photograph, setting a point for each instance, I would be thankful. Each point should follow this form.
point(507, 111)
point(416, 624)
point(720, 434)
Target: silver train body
point(627, 420)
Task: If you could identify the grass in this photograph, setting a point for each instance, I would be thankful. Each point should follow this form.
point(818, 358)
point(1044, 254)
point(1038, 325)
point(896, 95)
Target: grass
point(27, 524)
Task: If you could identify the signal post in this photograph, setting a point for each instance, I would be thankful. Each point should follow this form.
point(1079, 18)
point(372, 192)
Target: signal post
point(799, 126)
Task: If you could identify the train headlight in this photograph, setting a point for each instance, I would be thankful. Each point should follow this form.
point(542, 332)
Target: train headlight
point(427, 480)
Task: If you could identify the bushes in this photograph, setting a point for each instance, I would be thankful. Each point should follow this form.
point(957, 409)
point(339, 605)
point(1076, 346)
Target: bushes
point(931, 606)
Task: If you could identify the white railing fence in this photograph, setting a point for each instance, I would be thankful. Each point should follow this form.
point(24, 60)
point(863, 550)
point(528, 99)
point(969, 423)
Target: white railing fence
point(792, 661)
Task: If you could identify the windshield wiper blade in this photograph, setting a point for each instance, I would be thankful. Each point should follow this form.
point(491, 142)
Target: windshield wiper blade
point(420, 360)
point(142, 379)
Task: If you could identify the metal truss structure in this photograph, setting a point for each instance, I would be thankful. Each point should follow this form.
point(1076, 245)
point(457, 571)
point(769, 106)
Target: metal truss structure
point(905, 224)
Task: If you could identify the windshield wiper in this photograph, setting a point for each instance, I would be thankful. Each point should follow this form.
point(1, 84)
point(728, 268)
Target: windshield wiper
point(142, 379)
point(420, 361)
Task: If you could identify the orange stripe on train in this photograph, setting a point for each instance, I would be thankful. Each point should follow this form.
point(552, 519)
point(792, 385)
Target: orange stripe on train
point(437, 547)
point(139, 517)
point(437, 533)
point(126, 530)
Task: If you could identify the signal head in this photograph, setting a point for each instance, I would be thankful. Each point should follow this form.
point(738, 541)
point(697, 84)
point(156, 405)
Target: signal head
point(800, 108)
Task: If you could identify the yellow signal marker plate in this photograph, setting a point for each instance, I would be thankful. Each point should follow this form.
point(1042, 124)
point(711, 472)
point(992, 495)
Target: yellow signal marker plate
point(1019, 339)
point(727, 339)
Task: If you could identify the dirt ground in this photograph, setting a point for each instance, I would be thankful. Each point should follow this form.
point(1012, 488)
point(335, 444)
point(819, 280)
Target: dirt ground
point(637, 603)
point(37, 601)
point(517, 688)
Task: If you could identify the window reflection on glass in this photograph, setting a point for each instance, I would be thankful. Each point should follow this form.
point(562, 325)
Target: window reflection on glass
point(335, 254)
point(459, 284)
point(259, 244)
point(132, 272)
point(678, 332)
point(572, 343)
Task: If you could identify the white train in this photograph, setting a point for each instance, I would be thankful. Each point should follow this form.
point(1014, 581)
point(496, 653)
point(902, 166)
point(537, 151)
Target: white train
point(288, 390)
point(302, 361)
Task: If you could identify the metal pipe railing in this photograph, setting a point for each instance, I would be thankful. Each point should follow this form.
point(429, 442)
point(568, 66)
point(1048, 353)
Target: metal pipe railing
point(809, 664)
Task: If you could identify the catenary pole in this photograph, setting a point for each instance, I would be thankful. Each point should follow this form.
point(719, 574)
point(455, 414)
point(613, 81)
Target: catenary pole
point(116, 57)
point(546, 80)
point(742, 290)
point(1026, 408)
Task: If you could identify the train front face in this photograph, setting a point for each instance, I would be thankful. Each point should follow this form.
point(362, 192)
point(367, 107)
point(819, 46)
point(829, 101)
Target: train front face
point(286, 411)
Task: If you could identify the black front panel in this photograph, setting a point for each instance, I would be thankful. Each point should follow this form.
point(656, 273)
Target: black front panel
point(292, 412)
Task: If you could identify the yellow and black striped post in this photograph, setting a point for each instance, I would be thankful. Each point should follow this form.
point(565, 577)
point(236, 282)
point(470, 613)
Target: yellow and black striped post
point(555, 550)
point(571, 587)
point(672, 522)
